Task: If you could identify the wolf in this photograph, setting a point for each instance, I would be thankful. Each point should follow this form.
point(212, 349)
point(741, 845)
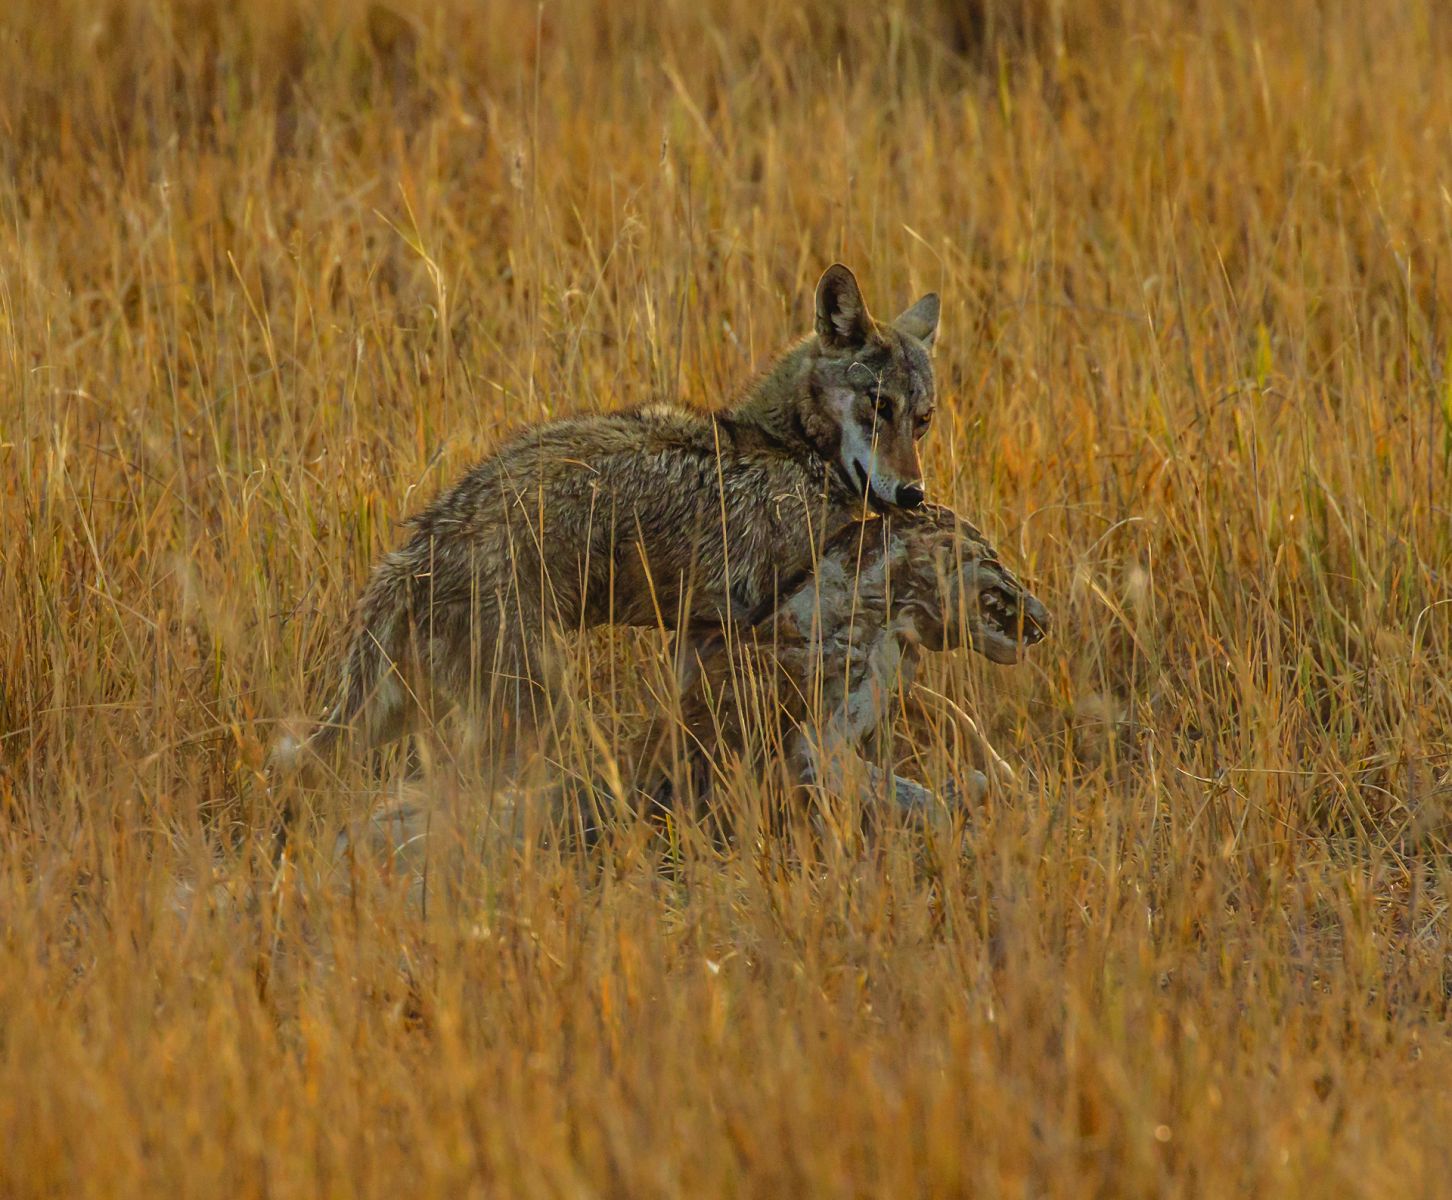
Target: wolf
point(823, 675)
point(808, 689)
point(658, 516)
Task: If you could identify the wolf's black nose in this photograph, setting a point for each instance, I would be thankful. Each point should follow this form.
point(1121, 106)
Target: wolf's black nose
point(910, 495)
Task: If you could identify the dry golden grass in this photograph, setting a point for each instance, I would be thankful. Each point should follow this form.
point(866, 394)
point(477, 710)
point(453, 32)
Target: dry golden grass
point(270, 275)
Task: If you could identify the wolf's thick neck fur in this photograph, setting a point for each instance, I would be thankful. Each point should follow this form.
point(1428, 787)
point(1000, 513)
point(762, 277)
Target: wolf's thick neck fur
point(776, 402)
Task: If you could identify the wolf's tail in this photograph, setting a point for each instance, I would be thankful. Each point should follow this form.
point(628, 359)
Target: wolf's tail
point(372, 697)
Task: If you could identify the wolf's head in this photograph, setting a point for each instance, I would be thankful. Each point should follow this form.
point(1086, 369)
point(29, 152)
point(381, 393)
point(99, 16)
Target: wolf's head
point(948, 582)
point(872, 384)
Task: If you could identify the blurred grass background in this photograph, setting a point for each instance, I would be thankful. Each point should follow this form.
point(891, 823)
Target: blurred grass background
point(271, 274)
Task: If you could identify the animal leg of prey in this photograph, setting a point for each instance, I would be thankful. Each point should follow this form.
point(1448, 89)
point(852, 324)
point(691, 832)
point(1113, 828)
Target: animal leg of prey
point(835, 767)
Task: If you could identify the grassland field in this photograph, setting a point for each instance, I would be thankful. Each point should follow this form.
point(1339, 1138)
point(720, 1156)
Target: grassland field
point(272, 274)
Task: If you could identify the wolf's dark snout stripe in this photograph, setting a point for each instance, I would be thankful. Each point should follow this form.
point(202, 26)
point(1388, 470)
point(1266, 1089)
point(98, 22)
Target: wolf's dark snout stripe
point(874, 501)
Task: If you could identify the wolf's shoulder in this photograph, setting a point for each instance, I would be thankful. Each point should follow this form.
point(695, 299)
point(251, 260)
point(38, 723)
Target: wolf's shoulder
point(719, 434)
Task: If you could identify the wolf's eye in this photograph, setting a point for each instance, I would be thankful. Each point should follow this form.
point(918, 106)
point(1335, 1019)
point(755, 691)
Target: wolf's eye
point(882, 407)
point(920, 426)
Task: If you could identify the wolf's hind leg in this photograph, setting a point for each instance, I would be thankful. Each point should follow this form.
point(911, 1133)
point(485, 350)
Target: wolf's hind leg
point(501, 679)
point(390, 712)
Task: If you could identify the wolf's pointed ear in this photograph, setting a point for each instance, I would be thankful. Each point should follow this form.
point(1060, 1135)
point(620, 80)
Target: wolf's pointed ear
point(921, 320)
point(842, 320)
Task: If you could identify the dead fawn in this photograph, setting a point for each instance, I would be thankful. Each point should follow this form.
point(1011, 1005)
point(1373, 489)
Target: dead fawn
point(824, 674)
